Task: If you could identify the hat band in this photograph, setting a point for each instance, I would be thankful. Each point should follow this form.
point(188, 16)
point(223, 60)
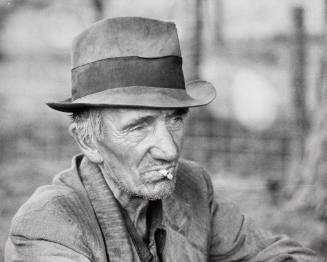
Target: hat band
point(163, 72)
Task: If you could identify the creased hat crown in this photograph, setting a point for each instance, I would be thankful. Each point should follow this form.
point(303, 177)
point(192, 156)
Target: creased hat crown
point(133, 62)
point(123, 37)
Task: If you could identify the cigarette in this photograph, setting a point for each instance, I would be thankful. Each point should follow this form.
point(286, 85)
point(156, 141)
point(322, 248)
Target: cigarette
point(166, 173)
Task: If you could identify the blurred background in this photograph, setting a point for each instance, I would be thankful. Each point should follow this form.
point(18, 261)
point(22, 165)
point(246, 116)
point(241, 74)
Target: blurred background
point(263, 139)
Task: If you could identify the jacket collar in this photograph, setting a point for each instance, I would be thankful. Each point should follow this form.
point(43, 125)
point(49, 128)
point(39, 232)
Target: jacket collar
point(107, 212)
point(86, 178)
point(176, 211)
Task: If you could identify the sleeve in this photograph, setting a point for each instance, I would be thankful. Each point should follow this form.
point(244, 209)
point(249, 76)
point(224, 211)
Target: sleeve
point(50, 226)
point(20, 249)
point(235, 237)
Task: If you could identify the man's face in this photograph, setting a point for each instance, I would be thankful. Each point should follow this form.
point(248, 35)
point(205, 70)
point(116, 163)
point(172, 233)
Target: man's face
point(137, 144)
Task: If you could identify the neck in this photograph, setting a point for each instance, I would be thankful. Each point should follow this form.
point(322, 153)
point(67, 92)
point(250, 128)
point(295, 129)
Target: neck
point(132, 204)
point(136, 207)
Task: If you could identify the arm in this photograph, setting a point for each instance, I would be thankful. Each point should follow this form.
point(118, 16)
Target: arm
point(51, 226)
point(236, 238)
point(21, 249)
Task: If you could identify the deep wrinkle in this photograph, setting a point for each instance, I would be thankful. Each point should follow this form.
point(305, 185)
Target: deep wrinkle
point(138, 143)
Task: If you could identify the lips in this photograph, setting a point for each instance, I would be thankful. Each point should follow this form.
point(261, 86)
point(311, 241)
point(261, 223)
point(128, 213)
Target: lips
point(158, 168)
point(166, 173)
point(155, 173)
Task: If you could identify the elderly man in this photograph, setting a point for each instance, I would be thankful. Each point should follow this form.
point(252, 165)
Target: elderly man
point(129, 196)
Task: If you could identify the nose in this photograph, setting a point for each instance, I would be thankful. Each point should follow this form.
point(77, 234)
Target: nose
point(164, 146)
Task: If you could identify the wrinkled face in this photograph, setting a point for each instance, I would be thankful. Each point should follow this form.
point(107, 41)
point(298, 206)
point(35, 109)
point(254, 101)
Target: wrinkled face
point(137, 144)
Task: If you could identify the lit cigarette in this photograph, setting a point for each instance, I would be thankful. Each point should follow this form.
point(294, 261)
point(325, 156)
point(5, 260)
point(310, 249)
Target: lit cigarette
point(166, 173)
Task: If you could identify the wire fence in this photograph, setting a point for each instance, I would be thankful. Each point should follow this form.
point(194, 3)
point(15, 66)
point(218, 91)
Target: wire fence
point(224, 145)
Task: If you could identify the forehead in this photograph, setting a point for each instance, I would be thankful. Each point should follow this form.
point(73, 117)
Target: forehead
point(125, 114)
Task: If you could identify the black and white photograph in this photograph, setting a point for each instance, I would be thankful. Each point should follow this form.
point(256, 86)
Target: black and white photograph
point(163, 130)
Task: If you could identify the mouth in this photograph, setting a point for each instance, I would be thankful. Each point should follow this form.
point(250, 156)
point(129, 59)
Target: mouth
point(161, 172)
point(166, 173)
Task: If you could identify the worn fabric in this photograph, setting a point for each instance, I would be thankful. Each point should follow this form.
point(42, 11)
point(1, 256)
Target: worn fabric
point(131, 61)
point(76, 218)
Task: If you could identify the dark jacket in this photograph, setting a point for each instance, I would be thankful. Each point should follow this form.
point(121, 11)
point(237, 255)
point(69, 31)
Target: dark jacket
point(76, 218)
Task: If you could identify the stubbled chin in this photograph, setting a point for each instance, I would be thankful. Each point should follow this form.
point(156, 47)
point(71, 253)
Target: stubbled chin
point(160, 191)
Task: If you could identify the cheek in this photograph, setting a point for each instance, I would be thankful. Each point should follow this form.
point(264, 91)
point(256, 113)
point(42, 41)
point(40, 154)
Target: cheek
point(116, 143)
point(178, 137)
point(120, 151)
point(125, 153)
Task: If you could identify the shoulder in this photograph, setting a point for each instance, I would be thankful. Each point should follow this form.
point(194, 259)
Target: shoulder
point(46, 202)
point(190, 167)
point(193, 171)
point(55, 213)
point(194, 177)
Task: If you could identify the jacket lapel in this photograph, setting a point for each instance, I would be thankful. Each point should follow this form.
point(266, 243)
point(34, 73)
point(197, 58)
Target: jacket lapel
point(176, 213)
point(88, 180)
point(107, 212)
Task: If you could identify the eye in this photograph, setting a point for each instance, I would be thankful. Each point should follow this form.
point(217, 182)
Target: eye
point(175, 122)
point(178, 119)
point(138, 127)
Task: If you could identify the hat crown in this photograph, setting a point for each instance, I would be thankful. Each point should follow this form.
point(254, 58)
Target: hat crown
point(131, 62)
point(124, 37)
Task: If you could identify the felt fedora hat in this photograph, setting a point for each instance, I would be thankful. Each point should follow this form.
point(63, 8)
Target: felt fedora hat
point(131, 62)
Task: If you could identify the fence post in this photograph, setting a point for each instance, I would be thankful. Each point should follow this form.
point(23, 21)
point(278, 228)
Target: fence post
point(219, 23)
point(98, 6)
point(197, 39)
point(299, 77)
point(321, 91)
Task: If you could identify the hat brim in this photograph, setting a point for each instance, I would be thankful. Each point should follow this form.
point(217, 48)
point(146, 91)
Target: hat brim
point(197, 93)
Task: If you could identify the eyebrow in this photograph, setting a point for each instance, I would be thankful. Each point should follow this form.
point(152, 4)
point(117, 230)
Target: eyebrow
point(148, 118)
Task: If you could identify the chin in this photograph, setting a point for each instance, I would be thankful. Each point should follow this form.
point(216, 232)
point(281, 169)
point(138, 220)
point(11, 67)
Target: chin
point(150, 191)
point(158, 191)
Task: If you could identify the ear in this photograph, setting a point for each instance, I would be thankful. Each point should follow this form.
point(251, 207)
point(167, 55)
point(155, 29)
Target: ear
point(87, 145)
